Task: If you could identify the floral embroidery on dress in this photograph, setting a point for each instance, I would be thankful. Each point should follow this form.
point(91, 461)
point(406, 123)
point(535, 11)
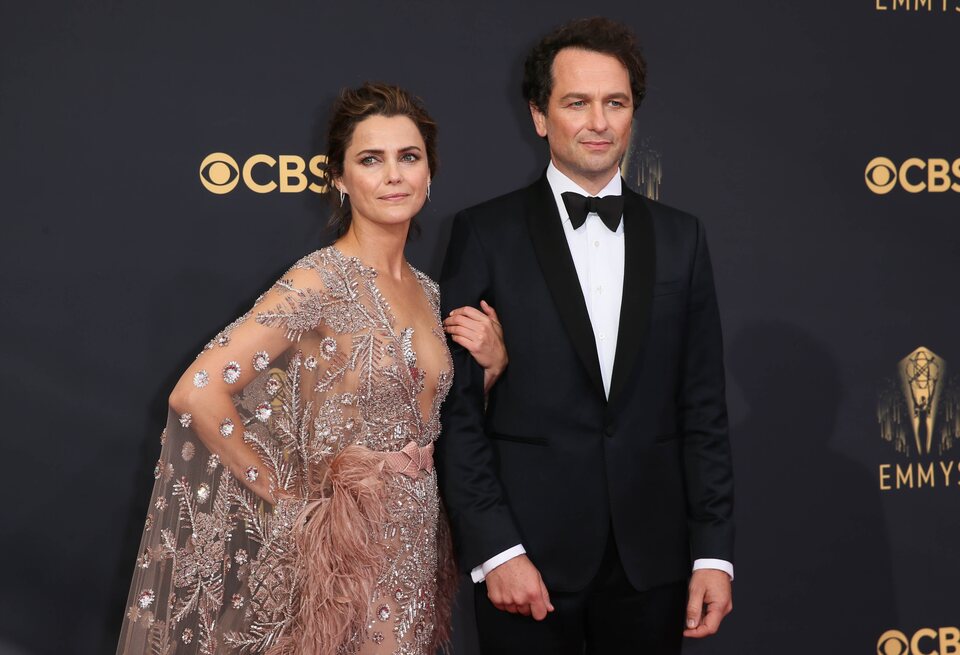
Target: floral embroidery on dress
point(220, 570)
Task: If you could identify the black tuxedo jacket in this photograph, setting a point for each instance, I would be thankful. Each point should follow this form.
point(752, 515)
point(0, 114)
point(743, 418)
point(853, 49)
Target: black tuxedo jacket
point(550, 462)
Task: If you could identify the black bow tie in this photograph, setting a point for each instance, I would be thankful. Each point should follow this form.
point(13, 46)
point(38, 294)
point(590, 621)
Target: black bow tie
point(609, 208)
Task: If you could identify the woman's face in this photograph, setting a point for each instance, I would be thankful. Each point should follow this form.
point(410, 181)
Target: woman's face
point(385, 171)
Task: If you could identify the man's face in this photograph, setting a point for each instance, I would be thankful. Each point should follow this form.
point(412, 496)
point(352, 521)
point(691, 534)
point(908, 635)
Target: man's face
point(588, 117)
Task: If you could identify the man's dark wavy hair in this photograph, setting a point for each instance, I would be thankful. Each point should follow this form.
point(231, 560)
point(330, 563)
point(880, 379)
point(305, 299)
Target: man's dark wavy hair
point(597, 34)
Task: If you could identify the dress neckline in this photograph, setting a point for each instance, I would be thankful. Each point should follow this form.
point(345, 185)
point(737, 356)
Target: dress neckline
point(397, 334)
point(362, 264)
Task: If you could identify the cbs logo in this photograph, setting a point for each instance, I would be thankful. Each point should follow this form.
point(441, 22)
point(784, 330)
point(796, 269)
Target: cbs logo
point(882, 175)
point(925, 641)
point(220, 173)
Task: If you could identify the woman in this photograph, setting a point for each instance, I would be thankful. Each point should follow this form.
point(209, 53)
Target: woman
point(296, 507)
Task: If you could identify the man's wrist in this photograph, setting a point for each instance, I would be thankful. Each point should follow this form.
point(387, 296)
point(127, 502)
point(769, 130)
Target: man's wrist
point(716, 564)
point(479, 573)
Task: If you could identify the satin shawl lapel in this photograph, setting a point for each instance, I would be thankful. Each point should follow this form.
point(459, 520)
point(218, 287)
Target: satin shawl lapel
point(556, 262)
point(639, 272)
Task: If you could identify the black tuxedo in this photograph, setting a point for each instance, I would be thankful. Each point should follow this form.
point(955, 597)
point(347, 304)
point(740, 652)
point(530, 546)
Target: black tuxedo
point(550, 463)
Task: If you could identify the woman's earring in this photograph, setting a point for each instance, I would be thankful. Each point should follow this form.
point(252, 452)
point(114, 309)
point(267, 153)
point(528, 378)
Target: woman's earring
point(428, 190)
point(342, 196)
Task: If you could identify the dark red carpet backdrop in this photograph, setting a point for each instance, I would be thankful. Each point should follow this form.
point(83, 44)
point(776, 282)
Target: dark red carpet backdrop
point(161, 164)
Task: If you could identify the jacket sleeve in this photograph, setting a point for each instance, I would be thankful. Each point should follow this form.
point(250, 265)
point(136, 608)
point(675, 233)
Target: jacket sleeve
point(481, 520)
point(703, 411)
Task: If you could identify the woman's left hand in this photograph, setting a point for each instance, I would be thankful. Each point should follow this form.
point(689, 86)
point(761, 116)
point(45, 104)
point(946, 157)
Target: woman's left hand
point(481, 334)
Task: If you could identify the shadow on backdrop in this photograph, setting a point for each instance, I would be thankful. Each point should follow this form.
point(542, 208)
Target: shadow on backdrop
point(522, 129)
point(813, 560)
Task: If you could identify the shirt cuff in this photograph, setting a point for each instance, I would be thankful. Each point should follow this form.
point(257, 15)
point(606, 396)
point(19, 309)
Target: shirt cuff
point(718, 564)
point(479, 573)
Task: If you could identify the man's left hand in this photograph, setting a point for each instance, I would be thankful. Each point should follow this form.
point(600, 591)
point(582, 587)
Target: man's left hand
point(710, 600)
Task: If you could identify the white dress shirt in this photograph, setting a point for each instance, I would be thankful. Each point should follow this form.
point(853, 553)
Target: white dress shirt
point(598, 257)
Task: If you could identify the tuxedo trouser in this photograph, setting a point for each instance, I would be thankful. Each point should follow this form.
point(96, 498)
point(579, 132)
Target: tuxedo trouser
point(608, 616)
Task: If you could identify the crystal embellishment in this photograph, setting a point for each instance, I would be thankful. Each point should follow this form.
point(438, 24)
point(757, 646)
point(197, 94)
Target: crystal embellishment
point(226, 427)
point(201, 379)
point(272, 386)
point(409, 354)
point(328, 348)
point(187, 636)
point(203, 492)
point(146, 598)
point(186, 419)
point(383, 613)
point(263, 412)
point(231, 372)
point(261, 360)
point(187, 451)
point(251, 474)
point(310, 363)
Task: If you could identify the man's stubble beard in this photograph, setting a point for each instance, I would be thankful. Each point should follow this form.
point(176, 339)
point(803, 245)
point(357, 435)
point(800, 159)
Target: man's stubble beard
point(597, 168)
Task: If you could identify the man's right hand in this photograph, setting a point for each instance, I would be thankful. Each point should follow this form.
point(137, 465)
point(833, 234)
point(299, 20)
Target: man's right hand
point(516, 587)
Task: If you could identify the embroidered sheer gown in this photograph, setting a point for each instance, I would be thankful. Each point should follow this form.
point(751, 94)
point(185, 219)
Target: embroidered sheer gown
point(319, 396)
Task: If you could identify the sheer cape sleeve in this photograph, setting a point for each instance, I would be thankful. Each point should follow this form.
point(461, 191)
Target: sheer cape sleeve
point(223, 566)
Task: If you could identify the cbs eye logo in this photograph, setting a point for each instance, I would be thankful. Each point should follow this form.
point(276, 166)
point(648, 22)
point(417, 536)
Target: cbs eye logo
point(925, 641)
point(220, 173)
point(914, 175)
point(893, 642)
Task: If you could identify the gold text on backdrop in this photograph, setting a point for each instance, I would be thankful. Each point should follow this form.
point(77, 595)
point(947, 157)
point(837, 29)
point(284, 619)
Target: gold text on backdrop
point(925, 641)
point(220, 173)
point(930, 6)
point(915, 175)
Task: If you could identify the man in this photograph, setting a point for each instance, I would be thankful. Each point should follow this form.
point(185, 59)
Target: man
point(599, 474)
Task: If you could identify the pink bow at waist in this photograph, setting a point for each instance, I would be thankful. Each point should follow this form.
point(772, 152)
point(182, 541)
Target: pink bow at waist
point(410, 460)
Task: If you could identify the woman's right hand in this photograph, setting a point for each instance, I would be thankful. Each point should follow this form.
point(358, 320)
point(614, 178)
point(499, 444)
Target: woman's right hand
point(481, 334)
